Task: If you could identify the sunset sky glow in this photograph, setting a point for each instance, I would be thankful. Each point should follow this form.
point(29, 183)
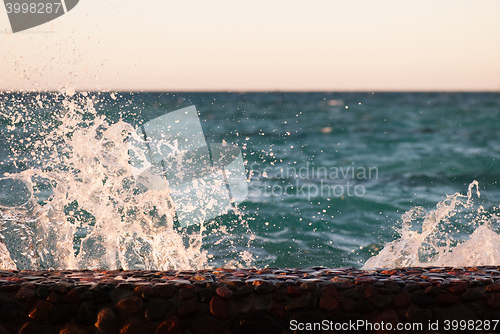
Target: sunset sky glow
point(261, 45)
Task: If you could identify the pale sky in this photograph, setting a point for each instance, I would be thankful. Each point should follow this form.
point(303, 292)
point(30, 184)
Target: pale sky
point(218, 45)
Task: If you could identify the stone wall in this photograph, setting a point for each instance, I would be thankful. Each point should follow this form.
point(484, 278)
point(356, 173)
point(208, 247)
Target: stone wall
point(244, 301)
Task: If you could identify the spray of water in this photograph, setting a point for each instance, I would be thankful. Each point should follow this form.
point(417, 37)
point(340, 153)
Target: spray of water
point(75, 204)
point(453, 234)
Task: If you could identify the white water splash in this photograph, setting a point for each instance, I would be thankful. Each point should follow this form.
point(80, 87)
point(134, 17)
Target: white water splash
point(92, 201)
point(450, 235)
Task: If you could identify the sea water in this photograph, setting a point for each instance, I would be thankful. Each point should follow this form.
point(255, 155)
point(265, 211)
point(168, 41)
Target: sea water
point(333, 179)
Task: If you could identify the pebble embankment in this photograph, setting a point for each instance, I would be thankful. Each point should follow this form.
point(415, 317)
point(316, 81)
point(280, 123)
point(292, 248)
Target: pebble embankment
point(242, 301)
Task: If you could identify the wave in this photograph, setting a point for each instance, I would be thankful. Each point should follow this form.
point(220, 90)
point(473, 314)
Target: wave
point(454, 234)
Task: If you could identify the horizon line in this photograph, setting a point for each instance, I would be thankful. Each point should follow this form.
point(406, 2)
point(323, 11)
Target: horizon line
point(243, 91)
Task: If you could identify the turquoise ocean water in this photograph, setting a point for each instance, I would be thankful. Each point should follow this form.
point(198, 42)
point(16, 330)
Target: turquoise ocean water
point(330, 174)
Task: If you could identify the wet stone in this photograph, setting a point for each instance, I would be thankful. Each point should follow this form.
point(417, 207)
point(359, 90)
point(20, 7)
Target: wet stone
point(87, 295)
point(492, 315)
point(421, 298)
point(278, 310)
point(433, 291)
point(60, 314)
point(119, 294)
point(458, 288)
point(493, 287)
point(9, 287)
point(387, 316)
point(361, 287)
point(145, 291)
point(134, 326)
point(411, 286)
point(205, 295)
point(25, 294)
point(180, 282)
point(365, 280)
point(424, 284)
point(213, 286)
point(371, 291)
point(164, 291)
point(493, 300)
point(243, 291)
point(309, 286)
point(42, 292)
point(254, 281)
point(486, 281)
point(172, 325)
point(261, 323)
point(352, 294)
point(454, 312)
point(224, 292)
point(205, 324)
point(448, 298)
point(85, 314)
point(41, 311)
point(106, 320)
point(402, 299)
point(343, 292)
point(72, 297)
point(331, 290)
point(381, 301)
point(102, 297)
point(72, 329)
point(10, 309)
point(53, 297)
point(57, 289)
point(125, 285)
point(130, 305)
point(280, 296)
point(363, 307)
point(219, 307)
point(472, 294)
point(393, 287)
point(189, 307)
point(328, 303)
point(233, 283)
point(294, 291)
point(390, 272)
point(260, 303)
point(35, 328)
point(265, 289)
point(298, 303)
point(416, 314)
point(476, 283)
point(156, 309)
point(187, 293)
point(346, 304)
